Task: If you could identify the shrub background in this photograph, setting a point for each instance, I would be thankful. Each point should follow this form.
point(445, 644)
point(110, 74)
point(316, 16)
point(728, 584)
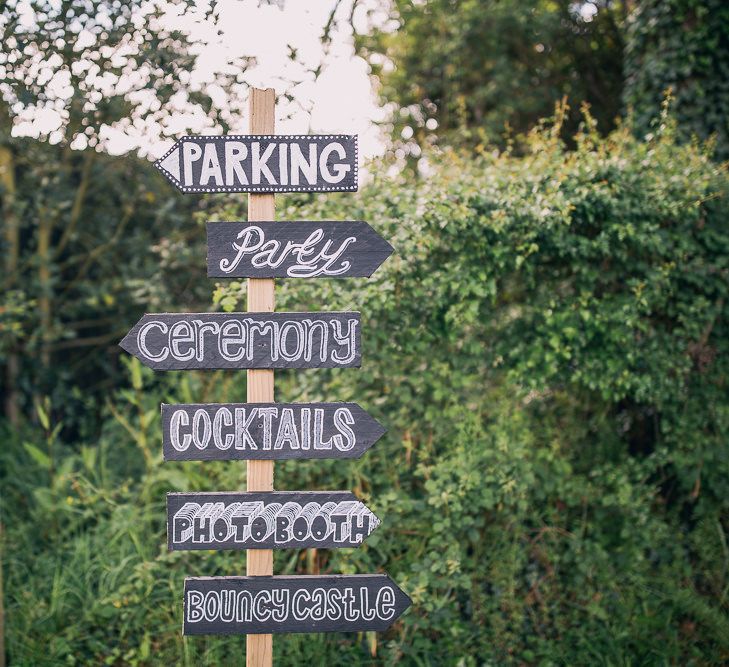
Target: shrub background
point(548, 346)
point(549, 351)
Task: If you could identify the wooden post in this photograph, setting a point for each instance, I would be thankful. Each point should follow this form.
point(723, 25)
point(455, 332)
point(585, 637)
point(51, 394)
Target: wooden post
point(12, 259)
point(261, 104)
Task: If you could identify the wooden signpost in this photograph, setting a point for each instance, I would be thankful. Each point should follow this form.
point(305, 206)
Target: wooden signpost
point(294, 250)
point(180, 341)
point(259, 474)
point(273, 520)
point(264, 163)
point(237, 431)
point(260, 430)
point(304, 603)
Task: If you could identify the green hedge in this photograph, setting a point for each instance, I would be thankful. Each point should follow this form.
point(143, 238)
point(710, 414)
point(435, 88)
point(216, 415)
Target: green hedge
point(681, 45)
point(549, 349)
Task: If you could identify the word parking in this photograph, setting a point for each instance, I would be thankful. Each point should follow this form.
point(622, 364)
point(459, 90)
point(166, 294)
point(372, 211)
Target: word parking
point(263, 163)
point(270, 520)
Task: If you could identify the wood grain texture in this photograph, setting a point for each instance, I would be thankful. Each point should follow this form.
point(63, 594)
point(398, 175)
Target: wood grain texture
point(259, 477)
point(302, 603)
point(275, 431)
point(296, 249)
point(268, 520)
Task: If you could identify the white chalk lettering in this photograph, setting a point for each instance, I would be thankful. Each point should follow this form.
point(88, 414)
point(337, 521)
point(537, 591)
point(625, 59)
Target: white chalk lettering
point(211, 523)
point(235, 153)
point(259, 163)
point(299, 164)
point(347, 340)
point(282, 605)
point(265, 427)
point(223, 417)
point(315, 256)
point(191, 152)
point(340, 169)
point(259, 166)
point(178, 420)
point(142, 340)
point(326, 341)
point(211, 166)
point(194, 606)
point(201, 418)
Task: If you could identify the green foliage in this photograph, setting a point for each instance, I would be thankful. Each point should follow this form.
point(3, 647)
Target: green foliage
point(88, 241)
point(99, 243)
point(549, 350)
point(95, 64)
point(466, 70)
point(681, 45)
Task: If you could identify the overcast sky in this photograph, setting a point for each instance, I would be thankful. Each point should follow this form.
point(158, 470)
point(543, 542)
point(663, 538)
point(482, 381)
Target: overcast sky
point(339, 100)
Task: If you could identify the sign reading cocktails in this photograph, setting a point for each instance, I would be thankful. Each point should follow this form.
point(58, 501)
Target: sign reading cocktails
point(240, 431)
point(262, 163)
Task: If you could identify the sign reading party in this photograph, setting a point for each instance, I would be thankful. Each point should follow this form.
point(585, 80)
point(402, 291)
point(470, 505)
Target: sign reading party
point(169, 341)
point(238, 431)
point(262, 163)
point(294, 250)
point(304, 603)
point(270, 520)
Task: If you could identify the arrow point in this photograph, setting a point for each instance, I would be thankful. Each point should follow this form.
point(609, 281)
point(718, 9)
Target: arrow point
point(381, 241)
point(374, 521)
point(376, 430)
point(169, 164)
point(381, 430)
point(129, 342)
point(402, 598)
point(125, 344)
point(387, 246)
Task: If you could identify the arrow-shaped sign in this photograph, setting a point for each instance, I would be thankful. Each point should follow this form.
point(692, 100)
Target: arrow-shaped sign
point(267, 520)
point(179, 341)
point(244, 431)
point(304, 603)
point(262, 163)
point(294, 249)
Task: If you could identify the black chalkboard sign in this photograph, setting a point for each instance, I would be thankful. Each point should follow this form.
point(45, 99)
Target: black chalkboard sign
point(267, 520)
point(304, 603)
point(179, 341)
point(262, 163)
point(294, 249)
point(245, 431)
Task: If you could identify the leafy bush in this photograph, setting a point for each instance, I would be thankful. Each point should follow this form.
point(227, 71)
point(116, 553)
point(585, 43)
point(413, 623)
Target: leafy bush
point(92, 241)
point(549, 350)
point(467, 71)
point(680, 45)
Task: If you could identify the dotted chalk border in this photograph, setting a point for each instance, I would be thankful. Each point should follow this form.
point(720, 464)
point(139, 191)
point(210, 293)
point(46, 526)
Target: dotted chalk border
point(262, 188)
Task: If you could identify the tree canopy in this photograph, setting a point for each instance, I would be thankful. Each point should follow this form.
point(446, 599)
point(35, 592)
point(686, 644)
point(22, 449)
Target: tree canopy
point(79, 227)
point(467, 71)
point(681, 46)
